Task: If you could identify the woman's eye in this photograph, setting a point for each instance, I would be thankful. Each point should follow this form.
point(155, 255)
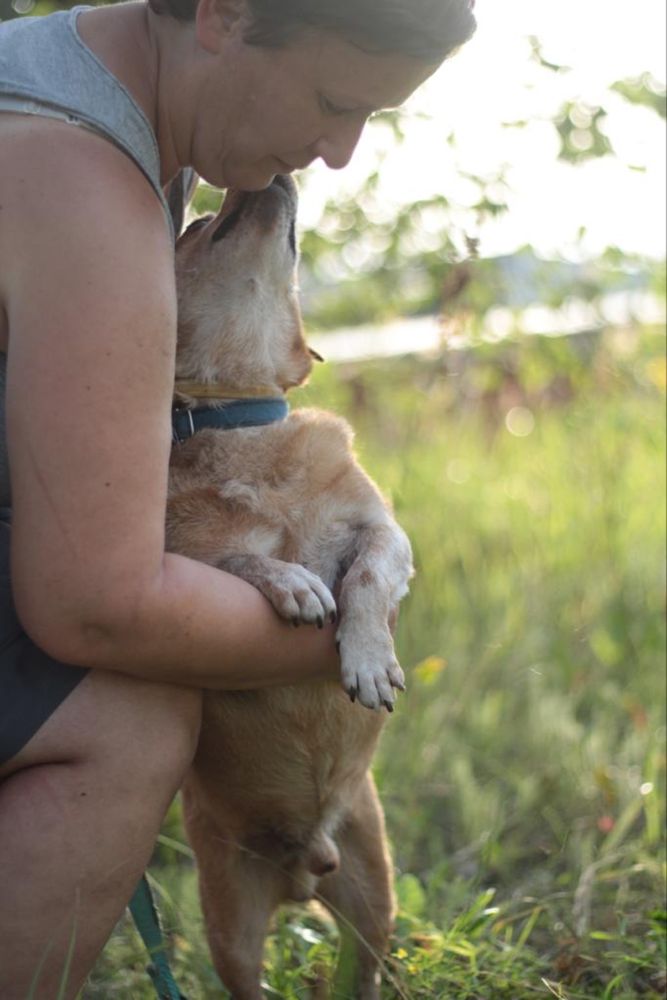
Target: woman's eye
point(329, 107)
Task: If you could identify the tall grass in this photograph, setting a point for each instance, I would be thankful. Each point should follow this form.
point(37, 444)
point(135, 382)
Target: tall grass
point(523, 774)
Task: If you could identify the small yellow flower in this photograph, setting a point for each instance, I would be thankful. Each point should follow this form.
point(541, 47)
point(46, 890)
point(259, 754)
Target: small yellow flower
point(430, 669)
point(656, 370)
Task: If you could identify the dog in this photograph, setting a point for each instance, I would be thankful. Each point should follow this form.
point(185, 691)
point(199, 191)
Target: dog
point(280, 803)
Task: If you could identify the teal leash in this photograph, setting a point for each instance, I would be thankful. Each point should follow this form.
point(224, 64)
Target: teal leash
point(145, 916)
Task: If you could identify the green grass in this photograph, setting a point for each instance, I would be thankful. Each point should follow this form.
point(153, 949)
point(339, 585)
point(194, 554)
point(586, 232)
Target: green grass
point(523, 774)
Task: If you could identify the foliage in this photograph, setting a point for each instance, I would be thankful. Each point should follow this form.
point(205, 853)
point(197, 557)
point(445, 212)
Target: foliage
point(580, 129)
point(366, 260)
point(644, 90)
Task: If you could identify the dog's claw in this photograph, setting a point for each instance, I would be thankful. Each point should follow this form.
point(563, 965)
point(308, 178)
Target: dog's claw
point(353, 692)
point(338, 647)
point(388, 705)
point(320, 621)
point(332, 617)
point(295, 622)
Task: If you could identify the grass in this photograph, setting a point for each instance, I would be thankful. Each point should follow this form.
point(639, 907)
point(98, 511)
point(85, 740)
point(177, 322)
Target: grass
point(523, 774)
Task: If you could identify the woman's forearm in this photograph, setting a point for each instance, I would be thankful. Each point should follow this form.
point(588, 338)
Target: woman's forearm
point(197, 625)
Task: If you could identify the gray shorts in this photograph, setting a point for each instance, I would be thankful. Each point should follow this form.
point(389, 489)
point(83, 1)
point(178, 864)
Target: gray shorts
point(32, 685)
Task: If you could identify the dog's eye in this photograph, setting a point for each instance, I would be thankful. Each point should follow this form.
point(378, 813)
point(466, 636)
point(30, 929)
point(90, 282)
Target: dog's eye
point(226, 225)
point(291, 236)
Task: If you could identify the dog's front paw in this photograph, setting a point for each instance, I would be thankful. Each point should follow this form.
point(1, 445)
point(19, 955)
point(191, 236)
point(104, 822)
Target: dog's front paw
point(370, 672)
point(295, 593)
point(300, 596)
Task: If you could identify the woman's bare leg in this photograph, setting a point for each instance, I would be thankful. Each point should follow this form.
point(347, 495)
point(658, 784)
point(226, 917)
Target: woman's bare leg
point(80, 807)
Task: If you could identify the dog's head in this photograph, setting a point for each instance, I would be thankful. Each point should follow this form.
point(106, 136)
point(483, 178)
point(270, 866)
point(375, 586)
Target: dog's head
point(238, 313)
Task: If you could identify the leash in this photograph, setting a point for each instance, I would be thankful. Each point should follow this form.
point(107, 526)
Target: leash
point(146, 919)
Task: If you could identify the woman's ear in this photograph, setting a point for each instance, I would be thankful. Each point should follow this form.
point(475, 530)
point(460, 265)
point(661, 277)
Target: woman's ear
point(216, 20)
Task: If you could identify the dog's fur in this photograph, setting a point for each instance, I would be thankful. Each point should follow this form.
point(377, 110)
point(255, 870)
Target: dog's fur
point(280, 803)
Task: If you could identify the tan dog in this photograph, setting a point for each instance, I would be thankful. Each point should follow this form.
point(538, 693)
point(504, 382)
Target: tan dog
point(280, 803)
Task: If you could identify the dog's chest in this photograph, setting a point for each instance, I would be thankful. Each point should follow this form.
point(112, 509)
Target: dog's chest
point(291, 491)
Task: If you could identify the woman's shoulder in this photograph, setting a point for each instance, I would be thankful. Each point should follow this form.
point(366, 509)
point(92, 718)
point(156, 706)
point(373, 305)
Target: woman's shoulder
point(57, 180)
point(49, 72)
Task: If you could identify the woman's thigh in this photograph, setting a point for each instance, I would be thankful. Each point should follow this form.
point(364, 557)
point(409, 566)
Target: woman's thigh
point(117, 721)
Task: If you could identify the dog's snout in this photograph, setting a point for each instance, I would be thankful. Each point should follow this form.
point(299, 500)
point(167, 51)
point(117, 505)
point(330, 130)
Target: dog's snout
point(278, 200)
point(286, 182)
point(227, 224)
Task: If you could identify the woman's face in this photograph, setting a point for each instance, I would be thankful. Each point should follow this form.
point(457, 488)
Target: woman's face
point(265, 111)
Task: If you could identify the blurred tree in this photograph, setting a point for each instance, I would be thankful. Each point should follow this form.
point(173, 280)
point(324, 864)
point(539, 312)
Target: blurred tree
point(580, 128)
point(538, 57)
point(644, 90)
point(21, 8)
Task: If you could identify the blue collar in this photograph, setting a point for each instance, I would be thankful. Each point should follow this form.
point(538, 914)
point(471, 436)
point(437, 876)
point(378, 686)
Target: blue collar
point(230, 416)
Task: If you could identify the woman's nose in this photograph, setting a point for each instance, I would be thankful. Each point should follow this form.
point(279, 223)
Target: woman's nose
point(337, 145)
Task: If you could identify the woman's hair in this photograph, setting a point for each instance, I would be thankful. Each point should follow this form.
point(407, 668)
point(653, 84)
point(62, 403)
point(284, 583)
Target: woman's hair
point(427, 29)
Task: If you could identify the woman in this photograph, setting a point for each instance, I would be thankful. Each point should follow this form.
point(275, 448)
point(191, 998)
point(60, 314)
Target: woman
point(100, 111)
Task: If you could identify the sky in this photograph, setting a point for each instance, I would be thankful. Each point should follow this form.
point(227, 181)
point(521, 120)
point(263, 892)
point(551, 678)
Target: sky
point(617, 200)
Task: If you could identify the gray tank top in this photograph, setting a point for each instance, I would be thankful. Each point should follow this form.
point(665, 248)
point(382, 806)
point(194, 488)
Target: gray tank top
point(46, 69)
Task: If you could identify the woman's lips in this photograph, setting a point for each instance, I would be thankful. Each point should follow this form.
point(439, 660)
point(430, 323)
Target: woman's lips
point(287, 168)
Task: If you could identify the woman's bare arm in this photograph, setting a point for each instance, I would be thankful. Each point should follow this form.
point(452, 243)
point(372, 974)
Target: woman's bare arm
point(87, 283)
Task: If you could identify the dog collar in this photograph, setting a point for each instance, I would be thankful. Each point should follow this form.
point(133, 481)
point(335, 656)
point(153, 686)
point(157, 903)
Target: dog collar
point(235, 414)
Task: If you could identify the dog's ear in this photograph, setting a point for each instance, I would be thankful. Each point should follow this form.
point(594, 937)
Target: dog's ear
point(313, 353)
point(299, 359)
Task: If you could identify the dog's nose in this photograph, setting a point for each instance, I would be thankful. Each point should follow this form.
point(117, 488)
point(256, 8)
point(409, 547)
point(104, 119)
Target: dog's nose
point(285, 181)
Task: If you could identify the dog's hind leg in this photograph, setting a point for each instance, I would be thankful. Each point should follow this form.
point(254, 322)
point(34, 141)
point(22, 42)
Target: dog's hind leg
point(237, 906)
point(360, 898)
point(238, 895)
